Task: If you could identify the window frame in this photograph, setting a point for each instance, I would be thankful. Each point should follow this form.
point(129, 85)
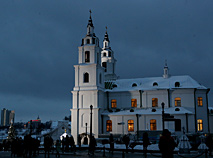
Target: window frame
point(87, 56)
point(113, 103)
point(86, 77)
point(153, 125)
point(199, 125)
point(178, 102)
point(154, 102)
point(200, 101)
point(109, 125)
point(133, 103)
point(130, 125)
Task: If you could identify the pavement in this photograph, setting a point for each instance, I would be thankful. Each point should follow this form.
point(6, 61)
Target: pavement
point(99, 154)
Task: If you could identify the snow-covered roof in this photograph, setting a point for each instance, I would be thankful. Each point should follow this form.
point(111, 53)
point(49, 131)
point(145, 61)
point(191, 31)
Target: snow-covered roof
point(149, 111)
point(162, 83)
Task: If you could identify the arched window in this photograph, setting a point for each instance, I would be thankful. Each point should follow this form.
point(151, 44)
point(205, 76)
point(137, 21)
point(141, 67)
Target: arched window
point(177, 84)
point(104, 54)
point(133, 102)
point(105, 44)
point(155, 84)
point(109, 125)
point(86, 77)
point(130, 125)
point(154, 102)
point(113, 103)
point(200, 101)
point(178, 101)
point(134, 85)
point(104, 64)
point(114, 86)
point(100, 79)
point(88, 41)
point(109, 54)
point(200, 125)
point(87, 56)
point(153, 126)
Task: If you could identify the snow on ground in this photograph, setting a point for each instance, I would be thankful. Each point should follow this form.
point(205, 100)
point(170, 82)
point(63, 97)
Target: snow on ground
point(137, 147)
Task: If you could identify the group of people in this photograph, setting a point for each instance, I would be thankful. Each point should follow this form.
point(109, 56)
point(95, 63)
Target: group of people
point(26, 147)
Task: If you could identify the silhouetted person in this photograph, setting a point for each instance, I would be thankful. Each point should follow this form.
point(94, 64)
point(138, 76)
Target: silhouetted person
point(145, 142)
point(72, 143)
point(166, 144)
point(79, 140)
point(58, 148)
point(111, 142)
point(92, 145)
point(209, 143)
point(67, 143)
point(126, 141)
point(48, 141)
point(63, 143)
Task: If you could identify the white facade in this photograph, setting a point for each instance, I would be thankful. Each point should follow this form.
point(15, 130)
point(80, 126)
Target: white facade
point(123, 106)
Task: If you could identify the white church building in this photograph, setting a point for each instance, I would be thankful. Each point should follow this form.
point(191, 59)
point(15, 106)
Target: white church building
point(122, 106)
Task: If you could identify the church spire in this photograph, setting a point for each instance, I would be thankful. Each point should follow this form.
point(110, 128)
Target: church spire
point(90, 26)
point(106, 37)
point(106, 42)
point(166, 70)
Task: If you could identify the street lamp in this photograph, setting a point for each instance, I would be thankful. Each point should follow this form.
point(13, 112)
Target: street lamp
point(90, 123)
point(162, 104)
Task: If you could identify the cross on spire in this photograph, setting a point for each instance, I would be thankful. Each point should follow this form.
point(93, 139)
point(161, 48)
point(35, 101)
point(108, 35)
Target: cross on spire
point(106, 28)
point(90, 13)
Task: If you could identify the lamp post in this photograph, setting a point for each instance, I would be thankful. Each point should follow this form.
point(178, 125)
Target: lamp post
point(162, 104)
point(90, 123)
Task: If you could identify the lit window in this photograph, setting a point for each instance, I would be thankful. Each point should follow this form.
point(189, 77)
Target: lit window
point(131, 125)
point(153, 126)
point(87, 56)
point(199, 125)
point(109, 125)
point(86, 77)
point(133, 102)
point(154, 102)
point(200, 101)
point(113, 103)
point(178, 102)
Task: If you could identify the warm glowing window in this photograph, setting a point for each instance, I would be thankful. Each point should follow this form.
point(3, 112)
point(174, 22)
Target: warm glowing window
point(154, 102)
point(199, 125)
point(133, 102)
point(200, 101)
point(86, 77)
point(109, 125)
point(130, 125)
point(153, 125)
point(178, 101)
point(113, 103)
point(87, 56)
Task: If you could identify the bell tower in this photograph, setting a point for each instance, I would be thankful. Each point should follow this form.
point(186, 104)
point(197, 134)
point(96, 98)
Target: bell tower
point(107, 59)
point(89, 85)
